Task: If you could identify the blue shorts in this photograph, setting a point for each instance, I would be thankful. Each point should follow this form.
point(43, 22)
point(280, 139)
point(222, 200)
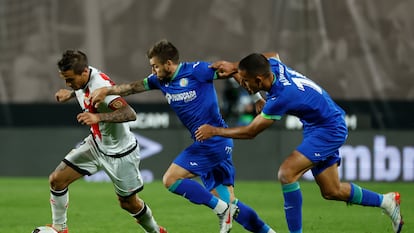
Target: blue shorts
point(210, 160)
point(321, 146)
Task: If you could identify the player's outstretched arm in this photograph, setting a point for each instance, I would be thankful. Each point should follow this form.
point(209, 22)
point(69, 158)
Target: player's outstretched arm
point(99, 94)
point(242, 132)
point(225, 69)
point(122, 113)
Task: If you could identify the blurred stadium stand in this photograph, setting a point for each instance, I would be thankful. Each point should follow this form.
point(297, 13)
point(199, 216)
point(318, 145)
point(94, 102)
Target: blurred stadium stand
point(360, 51)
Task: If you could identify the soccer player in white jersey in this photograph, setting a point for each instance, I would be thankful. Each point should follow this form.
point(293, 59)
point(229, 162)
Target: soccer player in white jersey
point(189, 90)
point(111, 146)
point(324, 132)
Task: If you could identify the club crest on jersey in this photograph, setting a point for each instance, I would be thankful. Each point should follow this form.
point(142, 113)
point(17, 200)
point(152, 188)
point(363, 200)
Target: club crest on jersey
point(183, 82)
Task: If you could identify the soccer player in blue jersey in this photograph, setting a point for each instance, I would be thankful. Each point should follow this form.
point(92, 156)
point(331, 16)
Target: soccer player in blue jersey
point(324, 132)
point(189, 90)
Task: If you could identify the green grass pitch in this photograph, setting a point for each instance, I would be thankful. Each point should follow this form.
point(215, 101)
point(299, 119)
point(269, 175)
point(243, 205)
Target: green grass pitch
point(93, 208)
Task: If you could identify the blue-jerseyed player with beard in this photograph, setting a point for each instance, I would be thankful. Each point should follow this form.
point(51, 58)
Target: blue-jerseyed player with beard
point(324, 132)
point(189, 90)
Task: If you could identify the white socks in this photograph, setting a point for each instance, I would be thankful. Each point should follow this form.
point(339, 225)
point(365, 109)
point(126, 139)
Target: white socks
point(146, 220)
point(59, 203)
point(220, 207)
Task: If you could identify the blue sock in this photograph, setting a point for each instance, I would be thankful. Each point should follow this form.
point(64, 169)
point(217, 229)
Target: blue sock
point(364, 197)
point(194, 192)
point(249, 219)
point(223, 193)
point(293, 206)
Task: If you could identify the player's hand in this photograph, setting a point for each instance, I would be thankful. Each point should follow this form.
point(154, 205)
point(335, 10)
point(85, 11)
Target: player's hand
point(224, 68)
point(87, 118)
point(63, 95)
point(204, 132)
point(98, 96)
point(259, 105)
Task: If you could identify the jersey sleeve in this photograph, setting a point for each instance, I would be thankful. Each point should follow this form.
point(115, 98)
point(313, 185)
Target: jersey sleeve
point(274, 64)
point(151, 82)
point(104, 81)
point(203, 72)
point(274, 109)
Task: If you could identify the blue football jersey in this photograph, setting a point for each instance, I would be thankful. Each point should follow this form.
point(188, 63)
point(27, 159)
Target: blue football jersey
point(294, 94)
point(191, 94)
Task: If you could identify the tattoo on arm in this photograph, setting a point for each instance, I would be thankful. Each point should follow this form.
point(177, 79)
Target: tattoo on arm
point(122, 112)
point(127, 89)
point(121, 115)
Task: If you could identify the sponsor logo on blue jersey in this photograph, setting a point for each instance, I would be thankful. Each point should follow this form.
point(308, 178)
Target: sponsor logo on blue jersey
point(184, 96)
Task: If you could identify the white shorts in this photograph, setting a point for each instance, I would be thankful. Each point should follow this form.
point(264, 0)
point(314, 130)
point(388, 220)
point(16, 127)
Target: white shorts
point(123, 171)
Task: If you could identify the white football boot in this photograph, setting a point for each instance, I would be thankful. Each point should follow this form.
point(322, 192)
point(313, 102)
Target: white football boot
point(391, 206)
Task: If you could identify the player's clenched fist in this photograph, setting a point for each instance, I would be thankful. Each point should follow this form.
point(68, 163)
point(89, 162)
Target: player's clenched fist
point(64, 95)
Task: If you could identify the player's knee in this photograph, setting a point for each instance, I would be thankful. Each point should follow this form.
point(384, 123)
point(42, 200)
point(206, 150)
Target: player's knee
point(168, 181)
point(284, 177)
point(54, 182)
point(288, 175)
point(58, 182)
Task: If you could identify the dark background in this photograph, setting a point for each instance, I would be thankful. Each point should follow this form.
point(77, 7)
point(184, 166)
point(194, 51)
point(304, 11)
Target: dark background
point(360, 51)
point(357, 50)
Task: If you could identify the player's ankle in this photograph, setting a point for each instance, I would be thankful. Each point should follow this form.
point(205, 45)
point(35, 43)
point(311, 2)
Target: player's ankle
point(59, 227)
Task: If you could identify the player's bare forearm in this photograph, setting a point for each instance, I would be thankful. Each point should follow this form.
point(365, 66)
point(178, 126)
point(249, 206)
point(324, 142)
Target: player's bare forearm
point(98, 96)
point(207, 131)
point(127, 89)
point(224, 69)
point(123, 114)
point(242, 132)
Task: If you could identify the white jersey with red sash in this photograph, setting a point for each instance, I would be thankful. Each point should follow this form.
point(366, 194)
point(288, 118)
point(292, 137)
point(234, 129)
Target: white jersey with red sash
point(112, 139)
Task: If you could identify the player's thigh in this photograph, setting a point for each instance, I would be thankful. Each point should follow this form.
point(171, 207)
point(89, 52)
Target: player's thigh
point(330, 185)
point(77, 163)
point(328, 178)
point(174, 173)
point(85, 158)
point(293, 167)
point(221, 175)
point(62, 176)
point(124, 173)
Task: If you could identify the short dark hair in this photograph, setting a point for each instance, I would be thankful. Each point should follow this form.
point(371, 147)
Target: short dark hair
point(164, 50)
point(73, 60)
point(255, 64)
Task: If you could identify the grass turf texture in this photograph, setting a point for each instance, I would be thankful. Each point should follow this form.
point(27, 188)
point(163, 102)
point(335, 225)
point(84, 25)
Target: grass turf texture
point(93, 208)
